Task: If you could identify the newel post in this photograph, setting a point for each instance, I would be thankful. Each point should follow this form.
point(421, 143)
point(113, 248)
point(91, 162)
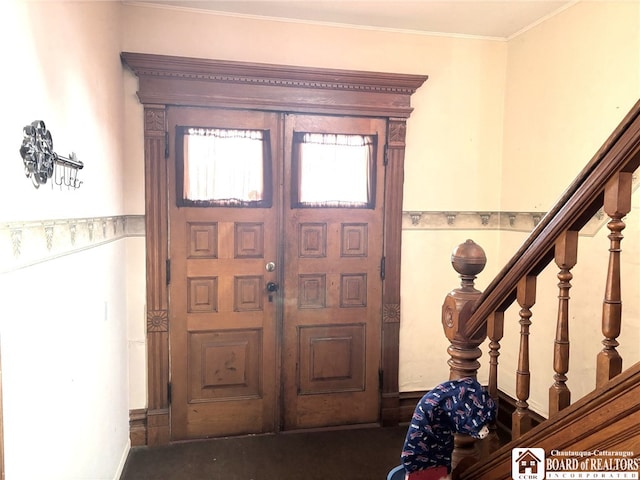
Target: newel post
point(468, 259)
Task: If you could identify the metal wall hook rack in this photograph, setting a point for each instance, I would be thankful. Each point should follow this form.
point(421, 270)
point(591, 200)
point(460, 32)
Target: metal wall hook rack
point(41, 162)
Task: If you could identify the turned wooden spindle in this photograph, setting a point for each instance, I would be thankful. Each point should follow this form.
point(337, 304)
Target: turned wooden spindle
point(521, 420)
point(495, 331)
point(617, 204)
point(566, 257)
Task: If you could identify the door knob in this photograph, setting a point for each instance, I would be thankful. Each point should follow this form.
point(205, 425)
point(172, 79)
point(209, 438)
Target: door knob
point(272, 287)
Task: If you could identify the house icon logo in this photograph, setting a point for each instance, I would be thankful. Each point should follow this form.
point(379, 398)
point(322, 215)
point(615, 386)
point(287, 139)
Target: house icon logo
point(527, 464)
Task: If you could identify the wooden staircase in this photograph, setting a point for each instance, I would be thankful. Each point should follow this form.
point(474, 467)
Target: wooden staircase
point(609, 417)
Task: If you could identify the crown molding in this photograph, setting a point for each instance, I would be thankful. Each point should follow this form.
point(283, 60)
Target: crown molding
point(187, 81)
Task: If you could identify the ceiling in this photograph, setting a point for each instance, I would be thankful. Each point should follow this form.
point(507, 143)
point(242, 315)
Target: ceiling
point(484, 18)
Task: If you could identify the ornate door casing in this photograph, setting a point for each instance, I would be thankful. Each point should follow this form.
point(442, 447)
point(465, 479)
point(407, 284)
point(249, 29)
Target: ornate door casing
point(166, 80)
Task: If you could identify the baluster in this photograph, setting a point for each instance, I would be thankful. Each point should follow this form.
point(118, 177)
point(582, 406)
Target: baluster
point(617, 203)
point(495, 331)
point(566, 257)
point(521, 418)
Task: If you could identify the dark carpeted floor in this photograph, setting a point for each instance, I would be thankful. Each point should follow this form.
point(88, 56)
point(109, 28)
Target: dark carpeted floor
point(355, 454)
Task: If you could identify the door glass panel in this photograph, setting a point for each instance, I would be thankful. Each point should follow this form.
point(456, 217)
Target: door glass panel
point(332, 170)
point(223, 167)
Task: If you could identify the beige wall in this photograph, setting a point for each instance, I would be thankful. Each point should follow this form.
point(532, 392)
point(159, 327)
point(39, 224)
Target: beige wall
point(491, 114)
point(570, 81)
point(63, 318)
point(455, 132)
point(64, 69)
point(489, 124)
point(454, 135)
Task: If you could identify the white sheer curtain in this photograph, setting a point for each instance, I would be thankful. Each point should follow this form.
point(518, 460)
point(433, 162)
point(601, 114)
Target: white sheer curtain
point(223, 166)
point(334, 169)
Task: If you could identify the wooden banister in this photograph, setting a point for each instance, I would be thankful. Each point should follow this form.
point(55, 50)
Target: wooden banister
point(576, 206)
point(469, 316)
point(606, 419)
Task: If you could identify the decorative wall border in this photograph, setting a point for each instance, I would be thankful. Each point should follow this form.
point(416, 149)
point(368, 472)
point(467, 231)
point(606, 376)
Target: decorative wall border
point(494, 220)
point(486, 220)
point(23, 244)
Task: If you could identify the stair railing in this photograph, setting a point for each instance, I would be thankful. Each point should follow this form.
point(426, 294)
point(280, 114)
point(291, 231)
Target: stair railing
point(470, 316)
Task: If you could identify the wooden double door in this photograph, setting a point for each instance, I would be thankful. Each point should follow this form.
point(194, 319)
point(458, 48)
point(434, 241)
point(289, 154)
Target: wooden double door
point(275, 306)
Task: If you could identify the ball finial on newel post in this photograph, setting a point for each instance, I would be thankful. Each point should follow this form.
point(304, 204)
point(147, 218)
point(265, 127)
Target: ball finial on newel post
point(468, 259)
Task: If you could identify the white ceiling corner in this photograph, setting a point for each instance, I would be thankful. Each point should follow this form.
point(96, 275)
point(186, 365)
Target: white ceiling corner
point(499, 19)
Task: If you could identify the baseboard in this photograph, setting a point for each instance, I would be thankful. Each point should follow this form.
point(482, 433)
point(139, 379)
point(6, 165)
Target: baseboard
point(123, 461)
point(138, 427)
point(407, 404)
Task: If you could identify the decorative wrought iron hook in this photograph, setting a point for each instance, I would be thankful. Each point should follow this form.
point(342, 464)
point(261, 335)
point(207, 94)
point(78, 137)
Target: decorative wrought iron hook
point(40, 161)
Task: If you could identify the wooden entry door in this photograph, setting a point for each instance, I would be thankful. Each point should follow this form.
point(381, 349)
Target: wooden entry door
point(333, 284)
point(275, 305)
point(223, 328)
